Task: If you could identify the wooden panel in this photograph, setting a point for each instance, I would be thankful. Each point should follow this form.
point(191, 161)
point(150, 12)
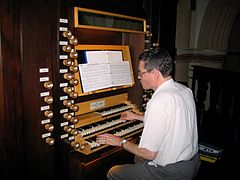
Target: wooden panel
point(87, 167)
point(11, 120)
point(39, 34)
point(136, 46)
point(91, 36)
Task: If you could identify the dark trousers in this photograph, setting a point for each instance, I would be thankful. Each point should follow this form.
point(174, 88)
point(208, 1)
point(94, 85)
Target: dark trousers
point(141, 170)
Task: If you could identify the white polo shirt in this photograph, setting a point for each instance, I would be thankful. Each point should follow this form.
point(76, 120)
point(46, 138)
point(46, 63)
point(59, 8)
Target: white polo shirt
point(170, 124)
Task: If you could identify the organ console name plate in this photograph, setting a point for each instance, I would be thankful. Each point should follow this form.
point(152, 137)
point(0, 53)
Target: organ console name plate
point(103, 68)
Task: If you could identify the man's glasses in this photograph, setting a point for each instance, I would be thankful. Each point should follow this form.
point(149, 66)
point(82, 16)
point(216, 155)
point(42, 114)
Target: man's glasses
point(140, 74)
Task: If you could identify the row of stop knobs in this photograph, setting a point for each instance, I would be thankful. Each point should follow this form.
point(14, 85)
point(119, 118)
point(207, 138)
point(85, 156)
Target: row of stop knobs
point(68, 90)
point(70, 77)
point(48, 113)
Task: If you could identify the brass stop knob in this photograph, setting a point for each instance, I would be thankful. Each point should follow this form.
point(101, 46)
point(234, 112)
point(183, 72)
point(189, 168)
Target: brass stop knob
point(74, 108)
point(68, 129)
point(74, 82)
point(73, 41)
point(78, 145)
point(73, 68)
point(74, 120)
point(75, 145)
point(67, 90)
point(49, 127)
point(48, 114)
point(67, 103)
point(50, 141)
point(67, 116)
point(67, 62)
point(74, 55)
point(73, 95)
point(48, 85)
point(67, 34)
point(48, 99)
point(68, 76)
point(74, 132)
point(67, 48)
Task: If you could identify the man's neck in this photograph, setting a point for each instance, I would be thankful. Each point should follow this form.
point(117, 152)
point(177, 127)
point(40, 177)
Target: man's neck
point(162, 81)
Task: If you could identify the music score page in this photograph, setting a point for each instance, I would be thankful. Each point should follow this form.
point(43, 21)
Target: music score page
point(104, 69)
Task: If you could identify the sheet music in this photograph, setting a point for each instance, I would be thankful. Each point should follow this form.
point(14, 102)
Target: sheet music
point(120, 74)
point(104, 69)
point(96, 57)
point(99, 57)
point(115, 56)
point(95, 76)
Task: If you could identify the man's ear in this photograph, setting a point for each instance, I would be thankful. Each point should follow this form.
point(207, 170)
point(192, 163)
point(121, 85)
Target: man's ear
point(157, 73)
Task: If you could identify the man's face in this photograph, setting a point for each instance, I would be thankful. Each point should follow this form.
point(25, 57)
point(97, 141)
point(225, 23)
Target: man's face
point(144, 76)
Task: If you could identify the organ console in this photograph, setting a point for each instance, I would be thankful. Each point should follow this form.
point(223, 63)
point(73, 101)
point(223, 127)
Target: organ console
point(90, 118)
point(104, 120)
point(97, 82)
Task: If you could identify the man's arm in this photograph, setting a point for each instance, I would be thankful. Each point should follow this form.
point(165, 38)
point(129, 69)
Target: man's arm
point(129, 146)
point(142, 152)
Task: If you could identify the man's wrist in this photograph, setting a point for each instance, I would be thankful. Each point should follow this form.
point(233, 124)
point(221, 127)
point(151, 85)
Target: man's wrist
point(124, 141)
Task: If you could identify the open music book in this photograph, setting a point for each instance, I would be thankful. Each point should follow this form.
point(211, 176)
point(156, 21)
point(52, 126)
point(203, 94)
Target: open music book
point(104, 69)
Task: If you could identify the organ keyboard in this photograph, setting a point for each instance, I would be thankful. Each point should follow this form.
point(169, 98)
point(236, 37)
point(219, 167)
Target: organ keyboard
point(114, 109)
point(103, 116)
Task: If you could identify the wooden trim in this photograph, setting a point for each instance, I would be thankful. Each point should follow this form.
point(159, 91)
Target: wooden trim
point(77, 25)
point(76, 9)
